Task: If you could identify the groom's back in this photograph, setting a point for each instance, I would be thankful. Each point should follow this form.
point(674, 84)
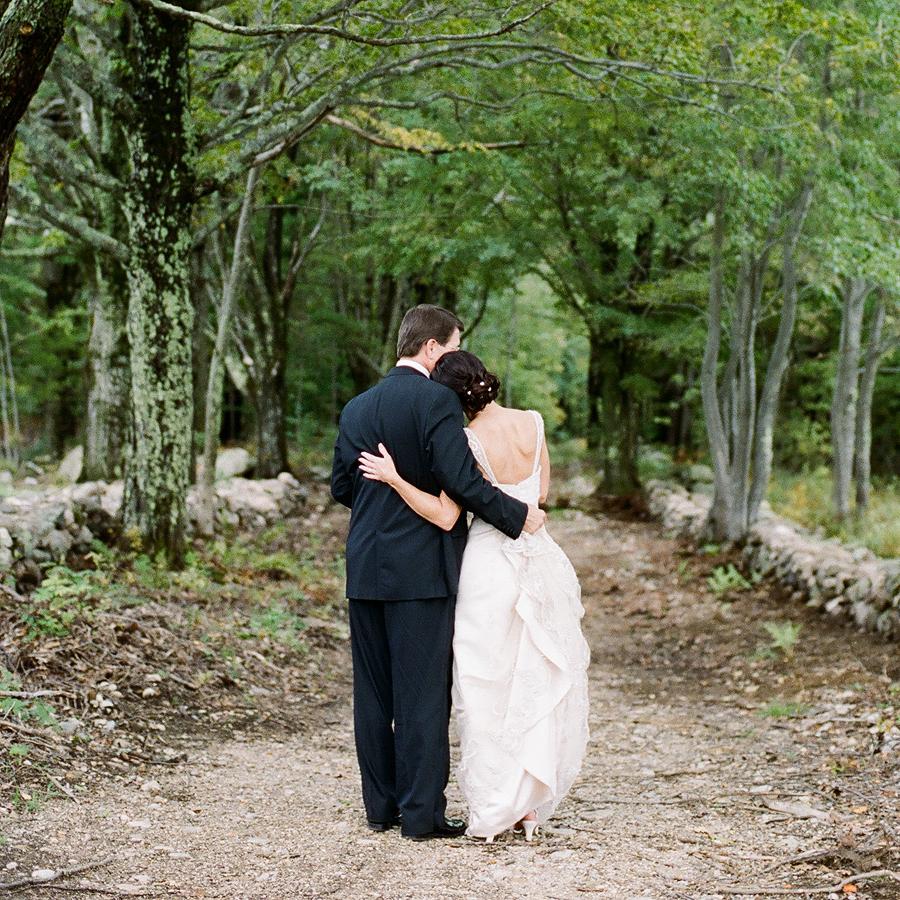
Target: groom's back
point(392, 553)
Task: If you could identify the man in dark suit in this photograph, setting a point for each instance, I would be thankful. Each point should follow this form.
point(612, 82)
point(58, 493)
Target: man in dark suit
point(402, 575)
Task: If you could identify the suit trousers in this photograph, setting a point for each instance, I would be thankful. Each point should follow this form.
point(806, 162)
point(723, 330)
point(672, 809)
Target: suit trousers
point(402, 666)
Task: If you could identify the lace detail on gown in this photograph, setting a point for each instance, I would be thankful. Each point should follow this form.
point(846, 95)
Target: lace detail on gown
point(520, 667)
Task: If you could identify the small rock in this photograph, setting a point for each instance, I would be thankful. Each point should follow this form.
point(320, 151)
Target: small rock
point(70, 726)
point(58, 543)
point(43, 874)
point(233, 461)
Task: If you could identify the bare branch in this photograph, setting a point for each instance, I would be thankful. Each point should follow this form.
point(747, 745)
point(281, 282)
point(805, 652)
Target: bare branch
point(73, 225)
point(61, 160)
point(302, 29)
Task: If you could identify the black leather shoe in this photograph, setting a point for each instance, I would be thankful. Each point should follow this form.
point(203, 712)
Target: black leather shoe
point(450, 828)
point(383, 826)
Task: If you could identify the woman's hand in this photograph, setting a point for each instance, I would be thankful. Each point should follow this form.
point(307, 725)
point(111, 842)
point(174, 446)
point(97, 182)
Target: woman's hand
point(379, 468)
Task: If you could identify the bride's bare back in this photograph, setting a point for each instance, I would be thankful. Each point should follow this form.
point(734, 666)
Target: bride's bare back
point(509, 438)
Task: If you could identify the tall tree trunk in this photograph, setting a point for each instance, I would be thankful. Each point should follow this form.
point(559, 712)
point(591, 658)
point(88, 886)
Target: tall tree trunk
point(778, 360)
point(200, 341)
point(732, 412)
point(109, 381)
point(626, 479)
point(158, 203)
point(106, 422)
point(846, 392)
point(594, 389)
point(6, 150)
point(717, 425)
point(215, 382)
point(269, 397)
point(63, 281)
point(862, 464)
point(9, 407)
point(619, 418)
point(262, 335)
point(29, 33)
point(744, 405)
point(396, 306)
point(683, 440)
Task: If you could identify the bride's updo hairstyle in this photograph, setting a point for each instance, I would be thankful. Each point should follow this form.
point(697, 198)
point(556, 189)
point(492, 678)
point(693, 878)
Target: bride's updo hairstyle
point(464, 373)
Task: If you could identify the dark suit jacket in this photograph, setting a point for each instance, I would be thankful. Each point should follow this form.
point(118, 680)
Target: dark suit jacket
point(393, 553)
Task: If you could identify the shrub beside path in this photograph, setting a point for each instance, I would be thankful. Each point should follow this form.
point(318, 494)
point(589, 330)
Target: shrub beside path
point(716, 762)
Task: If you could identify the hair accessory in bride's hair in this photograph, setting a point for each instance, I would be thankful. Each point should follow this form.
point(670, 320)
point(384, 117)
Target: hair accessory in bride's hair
point(466, 374)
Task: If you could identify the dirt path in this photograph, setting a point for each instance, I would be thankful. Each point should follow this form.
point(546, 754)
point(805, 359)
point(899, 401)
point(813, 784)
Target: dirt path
point(672, 802)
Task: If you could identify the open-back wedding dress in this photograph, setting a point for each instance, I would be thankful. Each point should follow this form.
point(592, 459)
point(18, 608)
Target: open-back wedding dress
point(520, 667)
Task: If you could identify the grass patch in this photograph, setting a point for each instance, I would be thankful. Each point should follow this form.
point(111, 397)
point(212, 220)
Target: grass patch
point(806, 499)
point(32, 799)
point(783, 709)
point(277, 623)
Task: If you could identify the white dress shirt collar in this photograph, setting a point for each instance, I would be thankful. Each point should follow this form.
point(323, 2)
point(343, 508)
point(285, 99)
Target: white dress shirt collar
point(413, 364)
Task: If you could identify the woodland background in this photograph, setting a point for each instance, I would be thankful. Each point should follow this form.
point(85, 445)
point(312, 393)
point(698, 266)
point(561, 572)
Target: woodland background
point(671, 230)
point(670, 227)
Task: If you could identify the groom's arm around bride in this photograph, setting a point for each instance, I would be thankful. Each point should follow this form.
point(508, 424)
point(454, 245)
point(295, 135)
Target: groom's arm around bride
point(403, 574)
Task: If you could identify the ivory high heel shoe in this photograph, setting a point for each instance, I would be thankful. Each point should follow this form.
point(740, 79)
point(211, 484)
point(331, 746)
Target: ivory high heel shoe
point(528, 825)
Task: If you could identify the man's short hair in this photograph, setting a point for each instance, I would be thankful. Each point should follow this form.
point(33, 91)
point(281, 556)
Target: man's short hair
point(421, 324)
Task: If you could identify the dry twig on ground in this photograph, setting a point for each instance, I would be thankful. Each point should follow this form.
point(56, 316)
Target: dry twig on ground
point(62, 873)
point(852, 879)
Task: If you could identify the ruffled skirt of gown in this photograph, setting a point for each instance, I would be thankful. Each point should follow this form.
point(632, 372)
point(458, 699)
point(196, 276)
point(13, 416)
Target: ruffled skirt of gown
point(520, 690)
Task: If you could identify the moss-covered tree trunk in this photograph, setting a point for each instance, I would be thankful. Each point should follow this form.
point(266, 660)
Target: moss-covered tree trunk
point(158, 202)
point(29, 33)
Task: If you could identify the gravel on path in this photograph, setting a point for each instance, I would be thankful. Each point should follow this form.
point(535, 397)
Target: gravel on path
point(679, 795)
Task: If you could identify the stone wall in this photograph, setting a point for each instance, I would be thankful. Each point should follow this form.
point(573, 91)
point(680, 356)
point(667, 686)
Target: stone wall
point(843, 581)
point(41, 524)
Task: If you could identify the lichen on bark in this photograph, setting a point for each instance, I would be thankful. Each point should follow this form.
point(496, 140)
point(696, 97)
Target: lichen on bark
point(158, 205)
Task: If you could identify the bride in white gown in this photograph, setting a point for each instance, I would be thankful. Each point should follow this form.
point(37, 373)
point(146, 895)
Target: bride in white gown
point(519, 658)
